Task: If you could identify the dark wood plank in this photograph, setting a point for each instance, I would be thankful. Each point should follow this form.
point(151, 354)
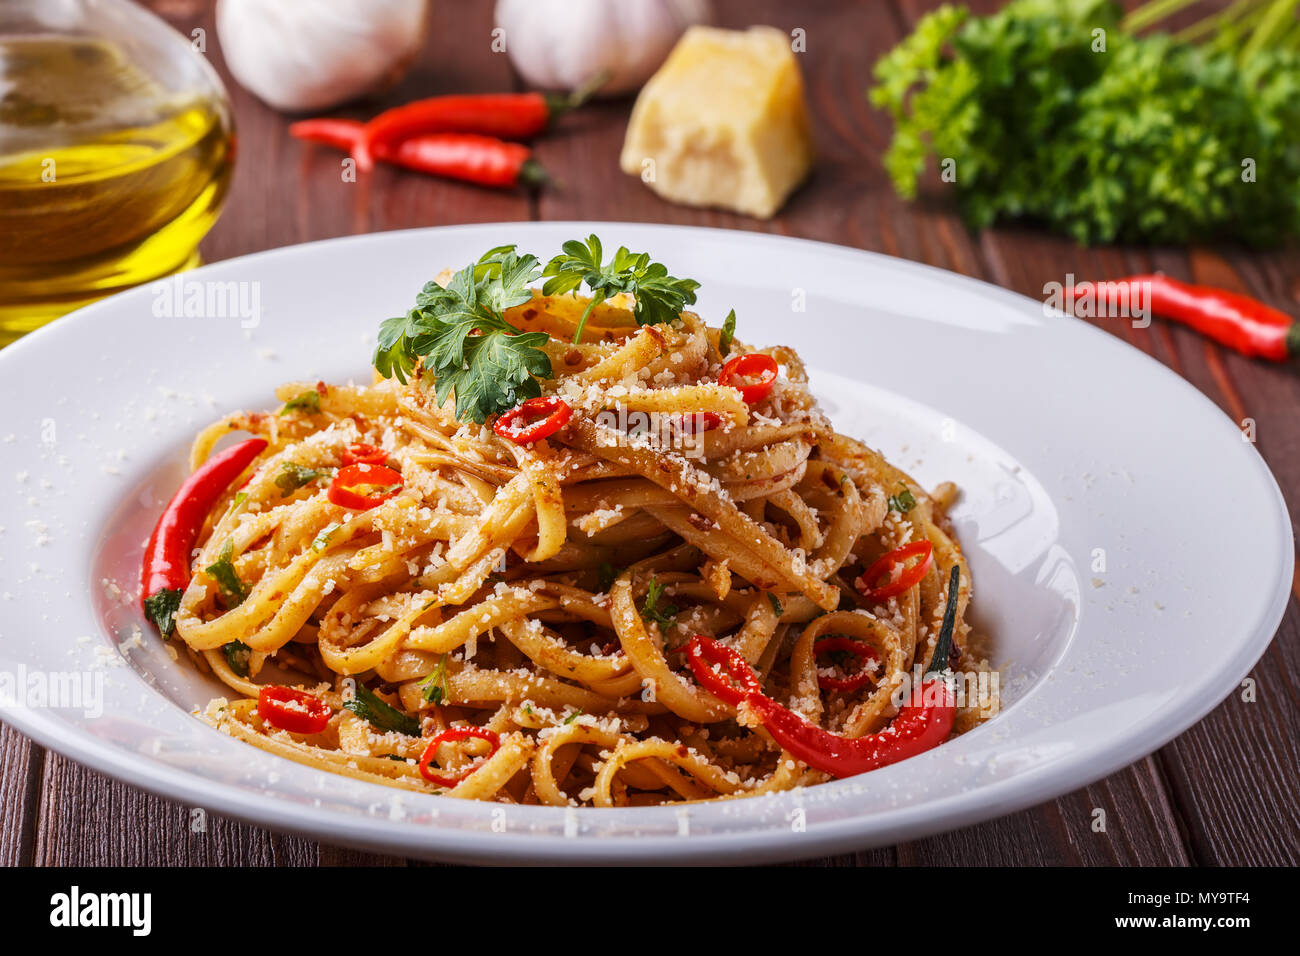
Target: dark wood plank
point(20, 772)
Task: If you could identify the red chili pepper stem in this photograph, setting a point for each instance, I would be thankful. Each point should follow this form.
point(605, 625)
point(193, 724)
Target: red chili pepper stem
point(166, 570)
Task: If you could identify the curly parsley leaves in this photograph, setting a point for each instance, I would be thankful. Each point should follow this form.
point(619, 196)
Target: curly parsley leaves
point(1142, 138)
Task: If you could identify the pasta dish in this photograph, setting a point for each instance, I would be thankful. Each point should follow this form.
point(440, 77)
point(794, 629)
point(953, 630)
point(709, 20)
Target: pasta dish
point(566, 549)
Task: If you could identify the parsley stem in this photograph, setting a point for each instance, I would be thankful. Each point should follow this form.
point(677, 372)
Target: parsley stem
point(596, 299)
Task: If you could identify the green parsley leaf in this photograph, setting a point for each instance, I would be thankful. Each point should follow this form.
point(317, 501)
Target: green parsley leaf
point(466, 345)
point(308, 402)
point(572, 717)
point(660, 298)
point(903, 502)
point(162, 607)
point(367, 705)
point(435, 685)
point(240, 498)
point(223, 572)
point(293, 476)
point(237, 656)
point(651, 610)
point(776, 604)
point(728, 334)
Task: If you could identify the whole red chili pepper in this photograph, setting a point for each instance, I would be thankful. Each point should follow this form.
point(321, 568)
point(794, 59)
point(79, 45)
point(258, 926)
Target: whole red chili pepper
point(465, 156)
point(166, 570)
point(505, 115)
point(1237, 321)
point(924, 722)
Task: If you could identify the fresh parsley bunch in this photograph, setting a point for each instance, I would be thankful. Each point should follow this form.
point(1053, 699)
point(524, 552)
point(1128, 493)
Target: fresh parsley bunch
point(468, 347)
point(1055, 111)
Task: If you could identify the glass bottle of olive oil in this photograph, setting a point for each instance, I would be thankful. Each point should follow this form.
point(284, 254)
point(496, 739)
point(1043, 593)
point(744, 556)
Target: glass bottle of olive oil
point(113, 165)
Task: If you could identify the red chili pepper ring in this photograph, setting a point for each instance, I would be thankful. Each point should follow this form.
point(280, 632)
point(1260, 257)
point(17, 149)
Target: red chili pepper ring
point(448, 736)
point(383, 483)
point(750, 365)
point(287, 708)
point(543, 417)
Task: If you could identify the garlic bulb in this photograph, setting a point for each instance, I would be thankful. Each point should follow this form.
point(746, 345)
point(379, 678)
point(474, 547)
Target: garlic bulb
point(314, 54)
point(562, 44)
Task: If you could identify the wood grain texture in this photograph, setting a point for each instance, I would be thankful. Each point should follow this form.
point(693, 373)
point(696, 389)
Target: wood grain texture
point(1225, 792)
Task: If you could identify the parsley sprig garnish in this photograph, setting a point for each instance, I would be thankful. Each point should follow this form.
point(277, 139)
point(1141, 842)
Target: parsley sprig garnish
point(460, 333)
point(660, 297)
point(465, 343)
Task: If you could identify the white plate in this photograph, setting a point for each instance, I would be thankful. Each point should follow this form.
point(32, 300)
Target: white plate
point(1070, 446)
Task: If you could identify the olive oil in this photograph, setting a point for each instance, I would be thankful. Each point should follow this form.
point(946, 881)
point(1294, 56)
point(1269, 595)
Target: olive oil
point(107, 179)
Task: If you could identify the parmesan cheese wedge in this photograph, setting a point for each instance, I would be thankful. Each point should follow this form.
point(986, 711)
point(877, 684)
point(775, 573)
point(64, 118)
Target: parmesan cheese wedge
point(723, 122)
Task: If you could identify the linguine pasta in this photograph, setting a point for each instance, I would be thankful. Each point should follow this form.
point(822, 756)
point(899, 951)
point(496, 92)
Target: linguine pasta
point(543, 593)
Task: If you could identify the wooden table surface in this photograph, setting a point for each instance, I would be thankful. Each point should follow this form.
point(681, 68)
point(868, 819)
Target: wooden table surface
point(1225, 792)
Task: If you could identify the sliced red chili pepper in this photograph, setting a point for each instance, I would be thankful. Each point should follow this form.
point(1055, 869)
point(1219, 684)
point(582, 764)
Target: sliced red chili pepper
point(384, 482)
point(296, 711)
point(166, 570)
point(863, 652)
point(448, 736)
point(735, 682)
point(363, 454)
point(555, 413)
point(900, 578)
point(750, 365)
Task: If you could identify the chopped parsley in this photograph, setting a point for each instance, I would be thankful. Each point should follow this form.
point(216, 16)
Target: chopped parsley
point(773, 600)
point(293, 476)
point(322, 540)
point(902, 502)
point(606, 575)
point(308, 401)
point(435, 685)
point(367, 705)
point(663, 615)
point(237, 653)
point(223, 572)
